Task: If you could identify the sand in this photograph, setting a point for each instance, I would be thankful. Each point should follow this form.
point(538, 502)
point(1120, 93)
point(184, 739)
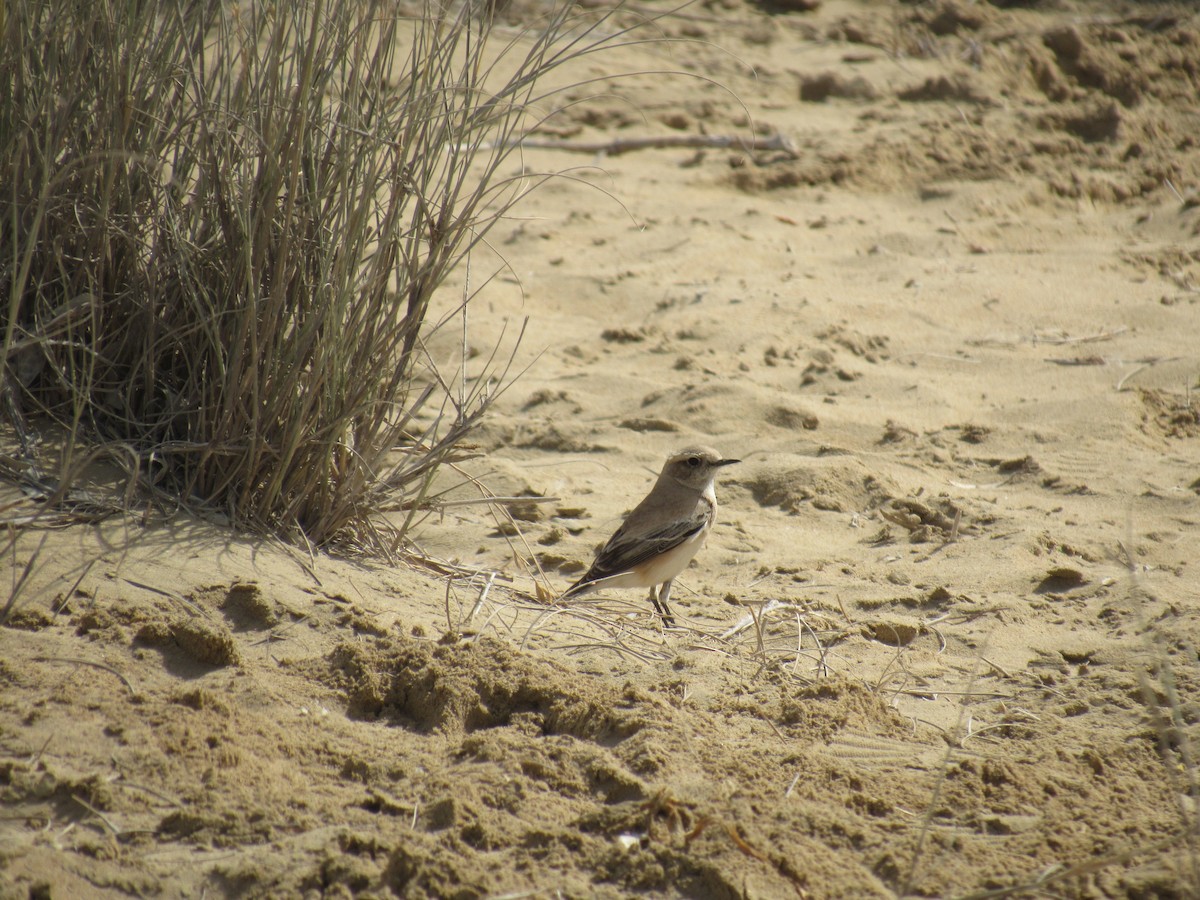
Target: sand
point(942, 639)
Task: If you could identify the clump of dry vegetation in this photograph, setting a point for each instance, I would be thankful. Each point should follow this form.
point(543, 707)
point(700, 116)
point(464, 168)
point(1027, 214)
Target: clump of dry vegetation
point(222, 227)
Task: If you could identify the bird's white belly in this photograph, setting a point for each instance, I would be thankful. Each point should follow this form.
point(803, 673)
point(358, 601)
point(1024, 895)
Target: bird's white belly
point(662, 568)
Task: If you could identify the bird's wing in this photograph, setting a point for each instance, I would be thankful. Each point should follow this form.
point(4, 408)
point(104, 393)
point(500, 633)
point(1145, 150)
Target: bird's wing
point(625, 551)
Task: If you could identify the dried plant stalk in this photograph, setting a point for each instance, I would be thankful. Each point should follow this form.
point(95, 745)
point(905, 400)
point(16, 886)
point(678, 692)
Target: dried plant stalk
point(222, 226)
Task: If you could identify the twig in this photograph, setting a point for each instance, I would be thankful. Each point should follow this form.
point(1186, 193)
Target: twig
point(1086, 339)
point(969, 694)
point(751, 618)
point(996, 667)
point(179, 598)
point(69, 594)
point(842, 607)
point(38, 758)
point(973, 246)
point(449, 618)
point(618, 146)
point(792, 786)
point(121, 782)
point(941, 638)
point(445, 567)
point(99, 815)
point(822, 665)
point(1077, 361)
point(481, 599)
point(19, 581)
point(1145, 364)
point(71, 660)
point(1130, 374)
point(476, 501)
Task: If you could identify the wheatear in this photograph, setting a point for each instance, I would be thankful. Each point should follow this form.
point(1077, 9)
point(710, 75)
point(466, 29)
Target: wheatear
point(662, 534)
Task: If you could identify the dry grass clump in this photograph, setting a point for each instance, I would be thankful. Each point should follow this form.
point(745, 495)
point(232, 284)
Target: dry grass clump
point(222, 227)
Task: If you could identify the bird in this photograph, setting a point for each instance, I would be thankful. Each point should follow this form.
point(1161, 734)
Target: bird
point(663, 533)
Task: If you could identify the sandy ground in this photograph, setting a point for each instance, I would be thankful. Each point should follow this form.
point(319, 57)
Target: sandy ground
point(942, 639)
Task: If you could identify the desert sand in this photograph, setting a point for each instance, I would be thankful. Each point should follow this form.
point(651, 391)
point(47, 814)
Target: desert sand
point(941, 641)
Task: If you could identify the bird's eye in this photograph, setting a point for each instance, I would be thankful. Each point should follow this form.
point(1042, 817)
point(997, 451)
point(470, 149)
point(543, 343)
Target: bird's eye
point(693, 461)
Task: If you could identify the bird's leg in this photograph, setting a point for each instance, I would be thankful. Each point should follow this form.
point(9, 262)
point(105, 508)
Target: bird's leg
point(659, 599)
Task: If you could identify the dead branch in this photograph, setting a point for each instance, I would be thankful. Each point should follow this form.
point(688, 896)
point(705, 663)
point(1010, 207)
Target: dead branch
point(617, 146)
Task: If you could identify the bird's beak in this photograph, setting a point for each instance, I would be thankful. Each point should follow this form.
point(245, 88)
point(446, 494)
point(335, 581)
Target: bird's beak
point(726, 462)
